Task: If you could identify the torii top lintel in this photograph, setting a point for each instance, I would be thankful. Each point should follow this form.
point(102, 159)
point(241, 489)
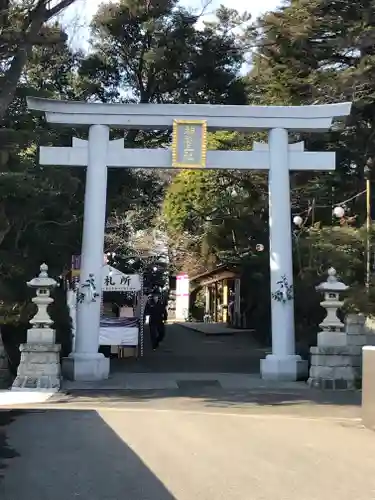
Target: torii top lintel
point(311, 118)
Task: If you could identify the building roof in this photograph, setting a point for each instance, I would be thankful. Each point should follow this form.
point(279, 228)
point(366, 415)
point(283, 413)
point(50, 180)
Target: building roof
point(219, 273)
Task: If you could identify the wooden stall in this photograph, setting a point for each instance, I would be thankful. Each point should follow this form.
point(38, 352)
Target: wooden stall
point(122, 306)
point(222, 292)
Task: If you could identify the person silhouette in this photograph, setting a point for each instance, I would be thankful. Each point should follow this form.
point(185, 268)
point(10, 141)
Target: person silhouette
point(157, 313)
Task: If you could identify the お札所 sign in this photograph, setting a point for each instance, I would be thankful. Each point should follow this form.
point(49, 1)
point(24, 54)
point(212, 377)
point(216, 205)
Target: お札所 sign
point(116, 281)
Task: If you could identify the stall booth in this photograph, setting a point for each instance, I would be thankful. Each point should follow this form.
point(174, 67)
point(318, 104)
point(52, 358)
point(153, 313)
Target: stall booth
point(123, 302)
point(222, 295)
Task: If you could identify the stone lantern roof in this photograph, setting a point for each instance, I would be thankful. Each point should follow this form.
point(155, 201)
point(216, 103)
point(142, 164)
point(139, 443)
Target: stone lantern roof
point(332, 284)
point(43, 280)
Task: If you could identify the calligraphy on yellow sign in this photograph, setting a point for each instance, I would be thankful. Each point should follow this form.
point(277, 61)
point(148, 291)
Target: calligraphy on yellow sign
point(188, 151)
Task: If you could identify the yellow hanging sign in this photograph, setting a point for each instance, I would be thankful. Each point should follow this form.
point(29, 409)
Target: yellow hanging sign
point(189, 143)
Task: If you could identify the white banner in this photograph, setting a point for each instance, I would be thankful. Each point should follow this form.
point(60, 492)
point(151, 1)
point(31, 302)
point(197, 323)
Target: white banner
point(118, 336)
point(182, 297)
point(182, 285)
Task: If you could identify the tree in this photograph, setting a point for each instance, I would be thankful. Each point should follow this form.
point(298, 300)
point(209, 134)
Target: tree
point(43, 205)
point(23, 27)
point(307, 52)
point(317, 52)
point(41, 208)
point(219, 216)
point(152, 52)
point(322, 52)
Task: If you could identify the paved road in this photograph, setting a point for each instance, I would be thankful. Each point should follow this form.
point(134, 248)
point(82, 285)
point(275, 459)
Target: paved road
point(200, 442)
point(184, 450)
point(186, 350)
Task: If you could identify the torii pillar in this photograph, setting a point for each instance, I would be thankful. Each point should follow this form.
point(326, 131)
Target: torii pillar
point(283, 363)
point(86, 363)
point(278, 156)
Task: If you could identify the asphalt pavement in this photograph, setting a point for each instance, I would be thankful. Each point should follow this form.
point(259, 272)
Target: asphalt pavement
point(199, 440)
point(184, 448)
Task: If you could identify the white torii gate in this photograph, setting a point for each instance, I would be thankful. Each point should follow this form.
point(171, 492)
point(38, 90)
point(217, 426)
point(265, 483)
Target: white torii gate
point(278, 156)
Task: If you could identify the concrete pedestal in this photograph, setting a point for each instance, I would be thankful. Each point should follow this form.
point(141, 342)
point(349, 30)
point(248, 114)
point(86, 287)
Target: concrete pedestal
point(39, 368)
point(287, 368)
point(85, 367)
point(368, 387)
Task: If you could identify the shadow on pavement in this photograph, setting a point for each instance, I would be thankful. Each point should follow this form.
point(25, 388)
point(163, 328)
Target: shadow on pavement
point(6, 452)
point(217, 397)
point(66, 455)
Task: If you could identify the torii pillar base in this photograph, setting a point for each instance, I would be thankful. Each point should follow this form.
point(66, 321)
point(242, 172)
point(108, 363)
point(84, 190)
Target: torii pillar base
point(284, 369)
point(85, 367)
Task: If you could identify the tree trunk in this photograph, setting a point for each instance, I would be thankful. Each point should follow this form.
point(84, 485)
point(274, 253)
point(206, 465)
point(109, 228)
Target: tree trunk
point(32, 26)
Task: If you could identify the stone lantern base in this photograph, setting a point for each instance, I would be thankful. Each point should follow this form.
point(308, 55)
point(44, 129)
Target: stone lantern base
point(335, 368)
point(39, 368)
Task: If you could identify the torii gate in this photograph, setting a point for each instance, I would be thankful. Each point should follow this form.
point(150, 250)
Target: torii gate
point(190, 123)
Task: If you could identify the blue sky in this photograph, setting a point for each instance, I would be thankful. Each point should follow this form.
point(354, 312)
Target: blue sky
point(78, 16)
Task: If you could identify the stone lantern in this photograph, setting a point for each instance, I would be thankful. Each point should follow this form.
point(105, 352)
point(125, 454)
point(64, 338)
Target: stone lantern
point(39, 368)
point(41, 322)
point(334, 363)
point(332, 333)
